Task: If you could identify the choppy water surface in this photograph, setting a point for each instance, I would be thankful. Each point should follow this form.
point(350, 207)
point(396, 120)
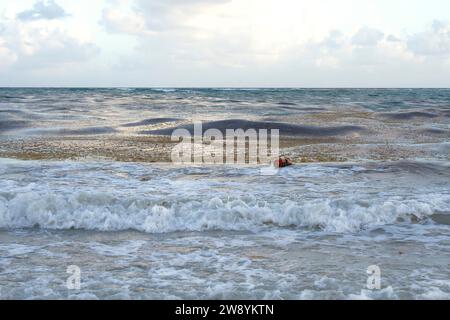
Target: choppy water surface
point(156, 230)
point(107, 111)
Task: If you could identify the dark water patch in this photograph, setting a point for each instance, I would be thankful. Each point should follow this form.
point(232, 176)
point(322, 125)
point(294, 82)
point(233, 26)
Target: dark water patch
point(8, 125)
point(283, 103)
point(301, 109)
point(312, 109)
point(147, 122)
point(57, 109)
point(395, 103)
point(76, 132)
point(408, 115)
point(413, 167)
point(7, 97)
point(89, 131)
point(19, 115)
point(436, 131)
point(288, 108)
point(11, 111)
point(272, 118)
point(11, 114)
point(286, 129)
point(441, 218)
point(12, 98)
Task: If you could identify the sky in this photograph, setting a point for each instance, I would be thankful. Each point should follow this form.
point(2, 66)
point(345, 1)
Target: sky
point(225, 43)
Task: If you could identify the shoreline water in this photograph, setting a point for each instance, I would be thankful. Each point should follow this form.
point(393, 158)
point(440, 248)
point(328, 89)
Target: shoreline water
point(81, 185)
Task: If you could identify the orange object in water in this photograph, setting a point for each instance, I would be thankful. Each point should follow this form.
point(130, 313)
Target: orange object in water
point(283, 162)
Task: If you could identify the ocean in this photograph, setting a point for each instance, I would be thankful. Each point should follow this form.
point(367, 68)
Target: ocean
point(86, 180)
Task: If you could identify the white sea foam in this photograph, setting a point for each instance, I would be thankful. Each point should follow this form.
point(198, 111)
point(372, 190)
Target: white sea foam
point(105, 212)
point(111, 197)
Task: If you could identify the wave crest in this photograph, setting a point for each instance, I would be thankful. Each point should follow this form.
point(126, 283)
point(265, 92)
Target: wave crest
point(105, 212)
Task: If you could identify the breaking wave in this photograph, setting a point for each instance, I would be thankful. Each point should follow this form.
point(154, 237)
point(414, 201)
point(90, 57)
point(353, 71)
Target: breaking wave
point(105, 212)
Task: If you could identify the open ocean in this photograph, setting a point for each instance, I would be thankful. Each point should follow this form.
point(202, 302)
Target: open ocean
point(85, 180)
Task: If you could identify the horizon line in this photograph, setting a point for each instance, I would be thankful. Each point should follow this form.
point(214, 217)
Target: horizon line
point(212, 87)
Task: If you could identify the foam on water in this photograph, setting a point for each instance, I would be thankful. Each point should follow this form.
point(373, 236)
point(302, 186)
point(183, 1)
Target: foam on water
point(159, 231)
point(111, 197)
point(273, 264)
point(99, 211)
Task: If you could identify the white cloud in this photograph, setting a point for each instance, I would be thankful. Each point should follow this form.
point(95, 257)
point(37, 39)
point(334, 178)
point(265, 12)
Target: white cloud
point(146, 17)
point(227, 42)
point(435, 41)
point(238, 34)
point(41, 43)
point(43, 48)
point(334, 40)
point(392, 38)
point(118, 17)
point(221, 42)
point(367, 37)
point(48, 10)
point(7, 57)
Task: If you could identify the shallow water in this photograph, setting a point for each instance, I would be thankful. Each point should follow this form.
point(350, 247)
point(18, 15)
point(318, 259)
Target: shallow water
point(380, 196)
point(151, 231)
point(51, 111)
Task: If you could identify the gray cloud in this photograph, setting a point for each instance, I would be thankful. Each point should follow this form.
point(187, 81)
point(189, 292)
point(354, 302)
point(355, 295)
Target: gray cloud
point(367, 37)
point(47, 10)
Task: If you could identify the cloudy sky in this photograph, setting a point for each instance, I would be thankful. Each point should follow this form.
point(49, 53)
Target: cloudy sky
point(245, 43)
